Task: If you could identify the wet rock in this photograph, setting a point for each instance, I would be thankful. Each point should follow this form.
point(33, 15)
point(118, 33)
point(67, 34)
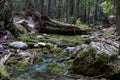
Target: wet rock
point(111, 42)
point(96, 59)
point(1, 48)
point(24, 54)
point(69, 48)
point(78, 48)
point(104, 48)
point(18, 45)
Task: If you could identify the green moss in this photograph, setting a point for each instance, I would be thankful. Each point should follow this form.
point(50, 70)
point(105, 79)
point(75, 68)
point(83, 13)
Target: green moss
point(89, 63)
point(55, 68)
point(89, 52)
point(70, 63)
point(64, 53)
point(108, 34)
point(3, 71)
point(22, 65)
point(28, 38)
point(12, 60)
point(34, 50)
point(102, 58)
point(17, 29)
point(56, 50)
point(72, 40)
point(37, 59)
point(49, 45)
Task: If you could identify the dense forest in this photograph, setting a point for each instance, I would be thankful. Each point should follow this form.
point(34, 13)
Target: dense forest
point(59, 39)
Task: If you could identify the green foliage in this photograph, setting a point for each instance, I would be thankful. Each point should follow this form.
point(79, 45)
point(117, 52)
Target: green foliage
point(70, 20)
point(81, 25)
point(107, 6)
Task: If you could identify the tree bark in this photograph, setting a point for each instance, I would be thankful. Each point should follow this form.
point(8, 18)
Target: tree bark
point(118, 17)
point(46, 25)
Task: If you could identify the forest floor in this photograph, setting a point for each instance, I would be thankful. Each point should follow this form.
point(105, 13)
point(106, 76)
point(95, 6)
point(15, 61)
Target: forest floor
point(51, 56)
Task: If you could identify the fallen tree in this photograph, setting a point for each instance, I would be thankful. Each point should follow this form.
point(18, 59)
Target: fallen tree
point(43, 24)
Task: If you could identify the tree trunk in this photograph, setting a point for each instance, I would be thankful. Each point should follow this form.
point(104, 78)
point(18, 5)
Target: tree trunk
point(29, 4)
point(76, 9)
point(118, 17)
point(44, 24)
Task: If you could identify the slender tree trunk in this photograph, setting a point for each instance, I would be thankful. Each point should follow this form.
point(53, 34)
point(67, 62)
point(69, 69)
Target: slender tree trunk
point(118, 19)
point(6, 17)
point(29, 4)
point(76, 9)
point(118, 16)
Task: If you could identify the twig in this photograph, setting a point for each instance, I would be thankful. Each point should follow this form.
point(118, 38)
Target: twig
point(5, 58)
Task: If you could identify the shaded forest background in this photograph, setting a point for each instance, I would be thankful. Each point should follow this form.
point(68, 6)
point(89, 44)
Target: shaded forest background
point(87, 11)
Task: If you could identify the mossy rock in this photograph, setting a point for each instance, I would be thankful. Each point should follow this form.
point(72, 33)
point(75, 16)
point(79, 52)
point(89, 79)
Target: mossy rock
point(18, 29)
point(70, 63)
point(3, 72)
point(13, 60)
point(37, 59)
point(89, 63)
point(22, 65)
point(56, 50)
point(64, 53)
point(49, 45)
point(55, 68)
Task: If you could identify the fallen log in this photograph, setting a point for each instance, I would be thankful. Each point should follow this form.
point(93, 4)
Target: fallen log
point(44, 24)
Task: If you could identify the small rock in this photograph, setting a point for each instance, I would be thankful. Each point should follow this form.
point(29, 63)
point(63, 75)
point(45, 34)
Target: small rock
point(39, 36)
point(118, 57)
point(45, 35)
point(18, 45)
point(84, 36)
point(70, 48)
point(84, 46)
point(24, 54)
point(78, 48)
point(40, 44)
point(1, 48)
point(92, 37)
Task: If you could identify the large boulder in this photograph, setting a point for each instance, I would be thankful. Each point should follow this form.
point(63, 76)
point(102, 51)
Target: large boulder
point(96, 59)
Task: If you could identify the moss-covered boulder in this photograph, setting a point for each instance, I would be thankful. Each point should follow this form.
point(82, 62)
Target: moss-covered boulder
point(89, 63)
point(55, 69)
point(64, 53)
point(56, 50)
point(18, 29)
